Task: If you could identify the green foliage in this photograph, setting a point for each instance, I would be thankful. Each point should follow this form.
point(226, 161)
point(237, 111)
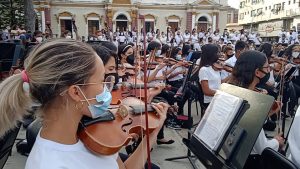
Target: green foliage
point(11, 13)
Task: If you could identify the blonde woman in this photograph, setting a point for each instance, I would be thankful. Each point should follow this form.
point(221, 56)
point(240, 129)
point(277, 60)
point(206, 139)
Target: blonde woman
point(65, 77)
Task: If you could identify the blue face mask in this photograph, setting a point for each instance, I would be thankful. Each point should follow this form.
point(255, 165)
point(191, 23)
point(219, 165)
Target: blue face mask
point(178, 57)
point(157, 53)
point(103, 102)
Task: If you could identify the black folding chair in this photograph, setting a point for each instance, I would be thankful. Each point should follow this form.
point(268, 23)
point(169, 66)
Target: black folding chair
point(6, 144)
point(274, 160)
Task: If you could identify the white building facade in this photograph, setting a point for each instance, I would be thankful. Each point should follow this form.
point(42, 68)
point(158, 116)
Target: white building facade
point(93, 15)
point(269, 17)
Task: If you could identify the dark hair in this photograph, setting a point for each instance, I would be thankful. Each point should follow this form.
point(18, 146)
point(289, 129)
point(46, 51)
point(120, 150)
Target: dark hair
point(102, 52)
point(165, 49)
point(196, 55)
point(209, 55)
point(289, 50)
point(111, 46)
point(240, 45)
point(122, 49)
point(243, 72)
point(266, 48)
point(37, 32)
point(227, 48)
point(185, 49)
point(153, 45)
point(174, 52)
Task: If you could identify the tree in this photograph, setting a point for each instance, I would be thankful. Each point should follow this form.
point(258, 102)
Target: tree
point(29, 15)
point(11, 12)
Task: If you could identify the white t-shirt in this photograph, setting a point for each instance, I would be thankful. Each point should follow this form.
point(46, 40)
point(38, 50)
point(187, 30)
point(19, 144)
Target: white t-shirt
point(213, 77)
point(186, 37)
point(294, 138)
point(122, 39)
point(47, 154)
point(178, 77)
point(231, 61)
point(262, 142)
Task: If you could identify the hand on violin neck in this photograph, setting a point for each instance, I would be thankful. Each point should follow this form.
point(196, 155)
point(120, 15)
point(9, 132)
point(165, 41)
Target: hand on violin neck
point(161, 65)
point(280, 140)
point(161, 109)
point(275, 108)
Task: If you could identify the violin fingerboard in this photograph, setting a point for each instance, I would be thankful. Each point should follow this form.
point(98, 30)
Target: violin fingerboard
point(141, 109)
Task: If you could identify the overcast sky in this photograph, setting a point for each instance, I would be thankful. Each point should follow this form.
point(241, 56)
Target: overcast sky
point(233, 3)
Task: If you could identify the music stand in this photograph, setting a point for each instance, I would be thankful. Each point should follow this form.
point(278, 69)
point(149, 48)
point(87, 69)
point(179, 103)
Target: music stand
point(252, 122)
point(181, 92)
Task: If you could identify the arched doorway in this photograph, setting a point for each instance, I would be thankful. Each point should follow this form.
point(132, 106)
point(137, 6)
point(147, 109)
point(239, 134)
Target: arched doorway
point(121, 22)
point(202, 23)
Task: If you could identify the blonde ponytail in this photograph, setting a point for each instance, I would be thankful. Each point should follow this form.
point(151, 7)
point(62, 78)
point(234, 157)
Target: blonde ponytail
point(13, 102)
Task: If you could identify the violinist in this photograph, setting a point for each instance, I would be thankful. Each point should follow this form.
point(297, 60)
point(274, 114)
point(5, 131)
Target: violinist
point(268, 82)
point(250, 68)
point(65, 77)
point(209, 75)
point(126, 54)
point(240, 47)
point(108, 57)
point(175, 79)
point(228, 52)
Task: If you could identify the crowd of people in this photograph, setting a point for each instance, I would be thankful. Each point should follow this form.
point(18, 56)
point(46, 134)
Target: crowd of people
point(67, 78)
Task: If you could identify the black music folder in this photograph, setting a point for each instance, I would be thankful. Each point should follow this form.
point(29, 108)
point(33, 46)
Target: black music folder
point(227, 133)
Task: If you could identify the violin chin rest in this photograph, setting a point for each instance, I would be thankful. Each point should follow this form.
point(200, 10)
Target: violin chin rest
point(108, 116)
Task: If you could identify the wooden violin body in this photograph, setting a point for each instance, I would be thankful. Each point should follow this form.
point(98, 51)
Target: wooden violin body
point(107, 138)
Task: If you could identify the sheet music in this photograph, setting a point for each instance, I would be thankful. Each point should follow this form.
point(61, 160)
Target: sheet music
point(217, 119)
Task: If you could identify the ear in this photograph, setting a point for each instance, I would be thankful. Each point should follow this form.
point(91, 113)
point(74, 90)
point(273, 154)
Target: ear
point(257, 73)
point(75, 93)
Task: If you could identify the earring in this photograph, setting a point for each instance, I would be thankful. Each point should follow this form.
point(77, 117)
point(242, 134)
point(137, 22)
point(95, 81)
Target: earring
point(79, 108)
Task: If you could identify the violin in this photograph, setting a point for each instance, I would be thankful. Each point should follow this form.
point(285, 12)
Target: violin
point(127, 89)
point(223, 66)
point(124, 123)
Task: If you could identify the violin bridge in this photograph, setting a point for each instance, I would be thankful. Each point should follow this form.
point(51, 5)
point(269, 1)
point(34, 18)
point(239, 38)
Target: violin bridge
point(122, 111)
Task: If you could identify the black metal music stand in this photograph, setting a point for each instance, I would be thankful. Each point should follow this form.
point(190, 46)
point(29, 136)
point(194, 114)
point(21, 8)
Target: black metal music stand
point(251, 122)
point(182, 92)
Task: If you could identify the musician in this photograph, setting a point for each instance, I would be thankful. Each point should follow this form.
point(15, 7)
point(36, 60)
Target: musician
point(64, 100)
point(209, 76)
point(125, 54)
point(228, 51)
point(249, 70)
point(240, 47)
point(175, 79)
point(195, 40)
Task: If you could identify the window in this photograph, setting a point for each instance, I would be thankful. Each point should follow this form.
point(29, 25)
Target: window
point(235, 18)
point(229, 18)
point(241, 16)
point(259, 12)
point(253, 13)
point(93, 26)
point(283, 3)
point(266, 8)
point(149, 26)
point(269, 7)
point(294, 1)
point(242, 4)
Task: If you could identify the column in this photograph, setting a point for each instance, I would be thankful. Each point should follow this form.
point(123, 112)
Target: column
point(193, 20)
point(189, 20)
point(43, 20)
point(214, 22)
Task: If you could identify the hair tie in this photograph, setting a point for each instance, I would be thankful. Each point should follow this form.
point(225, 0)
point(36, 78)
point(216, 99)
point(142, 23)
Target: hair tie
point(24, 76)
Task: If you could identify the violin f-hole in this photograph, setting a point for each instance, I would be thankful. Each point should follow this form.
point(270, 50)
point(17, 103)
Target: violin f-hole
point(126, 124)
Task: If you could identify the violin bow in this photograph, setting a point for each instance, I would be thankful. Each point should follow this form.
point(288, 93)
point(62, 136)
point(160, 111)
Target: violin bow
point(142, 18)
point(280, 96)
